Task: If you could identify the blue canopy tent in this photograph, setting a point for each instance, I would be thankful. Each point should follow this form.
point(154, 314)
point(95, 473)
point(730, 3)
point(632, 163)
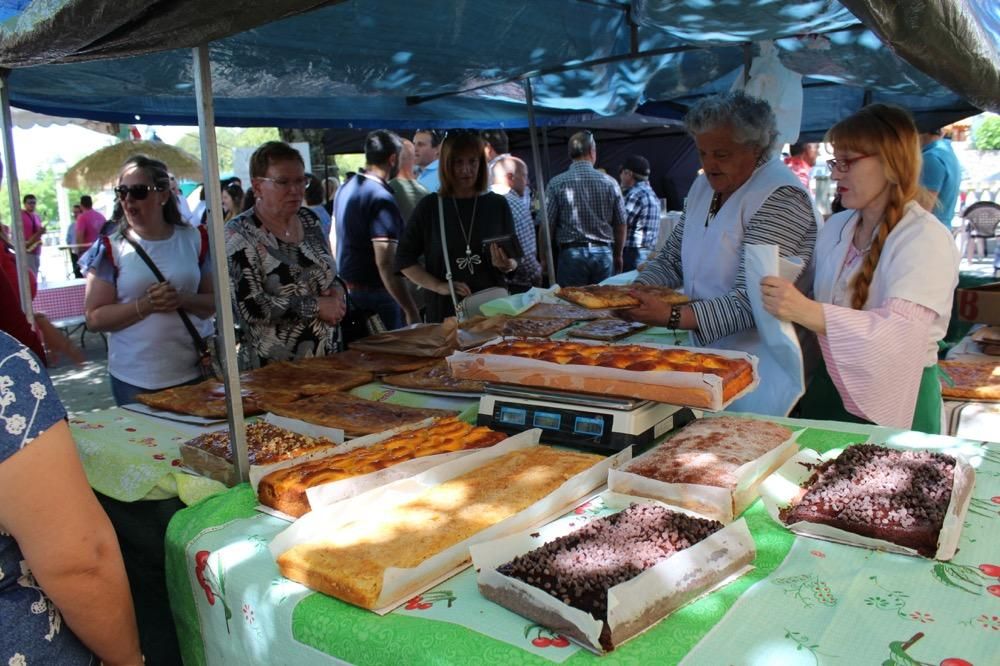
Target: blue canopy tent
point(361, 63)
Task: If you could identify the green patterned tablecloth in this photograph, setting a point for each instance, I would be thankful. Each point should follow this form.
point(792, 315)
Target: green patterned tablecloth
point(131, 457)
point(802, 601)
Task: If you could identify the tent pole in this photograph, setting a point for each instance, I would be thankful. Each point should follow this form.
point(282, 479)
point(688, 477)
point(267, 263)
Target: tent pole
point(14, 194)
point(546, 152)
point(540, 182)
point(225, 323)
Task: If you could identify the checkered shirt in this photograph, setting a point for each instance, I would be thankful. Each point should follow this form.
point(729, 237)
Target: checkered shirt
point(528, 270)
point(642, 211)
point(584, 205)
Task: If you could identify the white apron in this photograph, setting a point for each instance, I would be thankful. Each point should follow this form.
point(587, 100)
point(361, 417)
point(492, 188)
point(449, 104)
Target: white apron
point(710, 258)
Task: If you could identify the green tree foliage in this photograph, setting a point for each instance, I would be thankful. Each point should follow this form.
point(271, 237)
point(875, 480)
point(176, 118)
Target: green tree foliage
point(43, 186)
point(987, 135)
point(228, 138)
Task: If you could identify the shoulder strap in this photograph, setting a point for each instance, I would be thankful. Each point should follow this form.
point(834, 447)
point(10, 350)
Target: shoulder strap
point(447, 260)
point(199, 343)
point(106, 242)
point(203, 250)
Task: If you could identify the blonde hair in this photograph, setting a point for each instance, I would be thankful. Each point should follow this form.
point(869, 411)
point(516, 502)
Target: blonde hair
point(889, 134)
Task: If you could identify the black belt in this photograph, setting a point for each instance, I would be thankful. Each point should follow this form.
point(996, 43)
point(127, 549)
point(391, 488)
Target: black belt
point(563, 246)
point(355, 286)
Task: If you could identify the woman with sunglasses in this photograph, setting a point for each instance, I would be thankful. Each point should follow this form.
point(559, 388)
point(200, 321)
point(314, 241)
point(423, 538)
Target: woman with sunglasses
point(281, 273)
point(886, 270)
point(149, 347)
point(470, 217)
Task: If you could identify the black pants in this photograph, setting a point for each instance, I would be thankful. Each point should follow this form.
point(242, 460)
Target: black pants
point(141, 528)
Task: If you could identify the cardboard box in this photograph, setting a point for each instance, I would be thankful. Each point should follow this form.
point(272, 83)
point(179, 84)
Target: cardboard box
point(979, 304)
point(722, 504)
point(786, 486)
point(634, 605)
point(400, 584)
point(687, 389)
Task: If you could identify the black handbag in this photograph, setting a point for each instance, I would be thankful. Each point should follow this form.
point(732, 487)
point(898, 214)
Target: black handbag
point(208, 356)
point(358, 322)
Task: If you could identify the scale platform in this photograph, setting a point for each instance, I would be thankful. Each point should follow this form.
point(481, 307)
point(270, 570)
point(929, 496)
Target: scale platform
point(579, 420)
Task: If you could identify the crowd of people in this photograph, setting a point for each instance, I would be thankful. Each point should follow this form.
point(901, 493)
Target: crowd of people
point(431, 222)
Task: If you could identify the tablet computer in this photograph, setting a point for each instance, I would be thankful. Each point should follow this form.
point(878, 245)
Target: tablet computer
point(507, 242)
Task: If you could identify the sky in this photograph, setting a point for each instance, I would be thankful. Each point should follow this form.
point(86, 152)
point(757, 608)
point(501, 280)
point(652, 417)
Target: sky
point(38, 147)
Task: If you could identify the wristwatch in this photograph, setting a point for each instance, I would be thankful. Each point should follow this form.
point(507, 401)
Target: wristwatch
point(675, 317)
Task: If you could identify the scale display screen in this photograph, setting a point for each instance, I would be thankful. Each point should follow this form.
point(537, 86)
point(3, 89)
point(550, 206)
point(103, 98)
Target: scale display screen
point(513, 415)
point(547, 420)
point(561, 425)
point(589, 426)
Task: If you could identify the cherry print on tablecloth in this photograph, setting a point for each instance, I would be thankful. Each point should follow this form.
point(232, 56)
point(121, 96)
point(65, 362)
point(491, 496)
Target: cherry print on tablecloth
point(544, 637)
point(428, 599)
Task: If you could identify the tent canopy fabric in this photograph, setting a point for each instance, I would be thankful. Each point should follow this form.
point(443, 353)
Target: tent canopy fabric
point(358, 63)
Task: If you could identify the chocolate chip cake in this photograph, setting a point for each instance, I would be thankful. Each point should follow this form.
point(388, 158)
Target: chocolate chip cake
point(882, 493)
point(581, 567)
point(266, 444)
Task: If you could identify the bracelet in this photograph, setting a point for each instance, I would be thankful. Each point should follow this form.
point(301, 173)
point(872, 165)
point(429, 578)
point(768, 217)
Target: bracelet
point(138, 311)
point(675, 317)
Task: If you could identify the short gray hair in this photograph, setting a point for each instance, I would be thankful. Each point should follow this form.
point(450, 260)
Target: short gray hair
point(752, 119)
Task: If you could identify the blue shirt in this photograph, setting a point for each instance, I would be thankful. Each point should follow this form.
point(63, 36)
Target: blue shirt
point(429, 177)
point(942, 173)
point(365, 210)
point(30, 625)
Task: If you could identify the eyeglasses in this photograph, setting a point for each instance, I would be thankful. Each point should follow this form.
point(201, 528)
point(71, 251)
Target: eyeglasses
point(30, 202)
point(843, 166)
point(139, 192)
point(287, 183)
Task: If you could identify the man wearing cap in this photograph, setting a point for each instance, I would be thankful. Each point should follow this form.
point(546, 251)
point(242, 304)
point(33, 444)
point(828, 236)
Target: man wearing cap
point(588, 212)
point(642, 212)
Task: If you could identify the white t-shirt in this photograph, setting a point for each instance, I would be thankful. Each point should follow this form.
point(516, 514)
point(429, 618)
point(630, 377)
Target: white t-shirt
point(156, 352)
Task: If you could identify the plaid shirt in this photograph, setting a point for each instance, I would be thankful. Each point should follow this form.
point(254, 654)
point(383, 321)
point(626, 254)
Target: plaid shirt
point(642, 211)
point(528, 270)
point(584, 205)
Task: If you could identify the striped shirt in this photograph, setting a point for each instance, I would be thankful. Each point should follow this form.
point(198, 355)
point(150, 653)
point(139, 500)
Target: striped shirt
point(584, 205)
point(870, 357)
point(784, 219)
point(642, 213)
point(528, 270)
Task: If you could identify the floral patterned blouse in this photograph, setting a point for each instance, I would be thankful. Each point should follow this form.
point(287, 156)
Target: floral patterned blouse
point(275, 285)
point(31, 628)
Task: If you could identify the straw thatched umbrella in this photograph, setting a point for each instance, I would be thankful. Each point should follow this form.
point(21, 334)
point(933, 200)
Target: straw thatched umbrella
point(100, 168)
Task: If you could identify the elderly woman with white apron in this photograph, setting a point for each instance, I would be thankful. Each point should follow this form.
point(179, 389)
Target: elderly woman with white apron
point(886, 270)
point(745, 196)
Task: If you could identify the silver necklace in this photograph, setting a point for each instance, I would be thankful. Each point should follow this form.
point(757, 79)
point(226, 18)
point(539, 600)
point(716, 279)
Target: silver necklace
point(469, 260)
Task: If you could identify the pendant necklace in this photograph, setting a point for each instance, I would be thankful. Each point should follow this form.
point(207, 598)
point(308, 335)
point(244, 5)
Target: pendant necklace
point(469, 260)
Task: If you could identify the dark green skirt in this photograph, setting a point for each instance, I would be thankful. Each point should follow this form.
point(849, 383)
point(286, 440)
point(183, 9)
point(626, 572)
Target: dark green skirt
point(822, 401)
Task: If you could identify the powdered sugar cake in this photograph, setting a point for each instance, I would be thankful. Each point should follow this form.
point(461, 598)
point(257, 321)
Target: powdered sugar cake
point(709, 451)
point(564, 311)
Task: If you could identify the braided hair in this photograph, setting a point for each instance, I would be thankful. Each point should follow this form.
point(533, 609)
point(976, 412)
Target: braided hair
point(889, 134)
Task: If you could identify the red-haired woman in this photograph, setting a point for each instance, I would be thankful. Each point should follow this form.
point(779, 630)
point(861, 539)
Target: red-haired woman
point(886, 270)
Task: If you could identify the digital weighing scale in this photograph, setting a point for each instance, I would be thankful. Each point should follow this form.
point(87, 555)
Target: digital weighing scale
point(580, 420)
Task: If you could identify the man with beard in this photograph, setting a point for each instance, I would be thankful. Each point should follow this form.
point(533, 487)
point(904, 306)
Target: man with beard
point(369, 225)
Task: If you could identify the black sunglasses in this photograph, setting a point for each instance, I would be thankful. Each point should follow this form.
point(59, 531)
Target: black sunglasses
point(139, 192)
